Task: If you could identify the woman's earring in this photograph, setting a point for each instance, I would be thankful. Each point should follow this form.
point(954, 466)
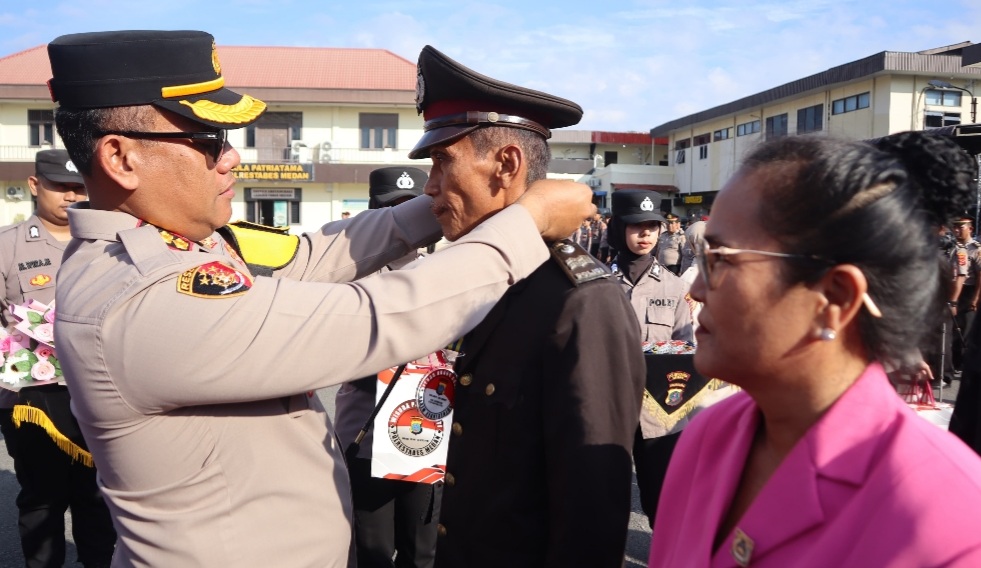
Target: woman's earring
point(827, 334)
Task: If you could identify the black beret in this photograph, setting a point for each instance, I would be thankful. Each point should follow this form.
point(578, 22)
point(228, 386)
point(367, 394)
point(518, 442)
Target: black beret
point(56, 166)
point(175, 70)
point(635, 206)
point(455, 101)
point(386, 185)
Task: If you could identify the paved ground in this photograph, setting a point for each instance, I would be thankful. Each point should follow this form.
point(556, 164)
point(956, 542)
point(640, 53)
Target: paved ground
point(638, 539)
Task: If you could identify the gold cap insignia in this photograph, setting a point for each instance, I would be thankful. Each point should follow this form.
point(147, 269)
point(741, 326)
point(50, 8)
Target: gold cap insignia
point(214, 59)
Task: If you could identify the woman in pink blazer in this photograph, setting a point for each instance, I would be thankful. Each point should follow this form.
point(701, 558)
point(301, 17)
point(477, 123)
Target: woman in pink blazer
point(820, 267)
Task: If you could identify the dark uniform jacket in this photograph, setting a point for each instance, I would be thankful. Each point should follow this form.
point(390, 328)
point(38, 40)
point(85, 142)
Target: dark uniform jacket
point(547, 403)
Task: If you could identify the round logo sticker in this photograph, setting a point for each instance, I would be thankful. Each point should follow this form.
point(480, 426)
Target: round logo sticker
point(434, 396)
point(413, 434)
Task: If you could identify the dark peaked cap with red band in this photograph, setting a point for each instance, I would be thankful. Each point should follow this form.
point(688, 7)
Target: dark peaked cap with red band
point(175, 70)
point(455, 101)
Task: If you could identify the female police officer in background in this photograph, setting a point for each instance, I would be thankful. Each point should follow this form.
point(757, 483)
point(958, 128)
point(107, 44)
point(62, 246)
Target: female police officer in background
point(658, 299)
point(820, 268)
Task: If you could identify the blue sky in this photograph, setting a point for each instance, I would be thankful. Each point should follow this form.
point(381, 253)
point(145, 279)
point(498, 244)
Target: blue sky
point(631, 65)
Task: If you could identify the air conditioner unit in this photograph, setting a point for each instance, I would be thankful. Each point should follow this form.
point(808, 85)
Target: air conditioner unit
point(594, 182)
point(15, 193)
point(324, 152)
point(299, 152)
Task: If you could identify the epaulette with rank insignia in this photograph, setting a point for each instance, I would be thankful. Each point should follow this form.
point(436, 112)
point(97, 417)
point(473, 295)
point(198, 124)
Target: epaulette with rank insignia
point(577, 264)
point(264, 249)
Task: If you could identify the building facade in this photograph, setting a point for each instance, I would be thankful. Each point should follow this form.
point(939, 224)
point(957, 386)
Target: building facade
point(879, 95)
point(333, 116)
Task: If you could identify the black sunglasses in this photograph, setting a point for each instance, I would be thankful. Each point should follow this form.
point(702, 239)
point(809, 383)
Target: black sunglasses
point(217, 138)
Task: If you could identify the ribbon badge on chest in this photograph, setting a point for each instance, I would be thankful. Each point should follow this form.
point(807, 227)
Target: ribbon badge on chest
point(435, 394)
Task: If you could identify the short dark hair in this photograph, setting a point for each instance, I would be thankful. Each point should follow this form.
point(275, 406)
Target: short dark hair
point(875, 206)
point(536, 150)
point(80, 128)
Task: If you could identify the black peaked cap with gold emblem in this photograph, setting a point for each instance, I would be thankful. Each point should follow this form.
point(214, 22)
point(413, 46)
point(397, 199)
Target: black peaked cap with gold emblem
point(636, 206)
point(386, 185)
point(455, 101)
point(174, 70)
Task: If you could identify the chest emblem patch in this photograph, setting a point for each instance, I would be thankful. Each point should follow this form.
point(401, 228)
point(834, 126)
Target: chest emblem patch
point(40, 280)
point(412, 433)
point(213, 280)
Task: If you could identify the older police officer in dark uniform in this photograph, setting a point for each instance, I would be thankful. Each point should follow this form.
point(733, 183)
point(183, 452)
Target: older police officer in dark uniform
point(538, 471)
point(51, 461)
point(392, 518)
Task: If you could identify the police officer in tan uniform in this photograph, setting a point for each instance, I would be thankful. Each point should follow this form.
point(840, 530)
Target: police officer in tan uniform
point(968, 251)
point(392, 518)
point(51, 480)
point(658, 299)
point(671, 244)
point(191, 378)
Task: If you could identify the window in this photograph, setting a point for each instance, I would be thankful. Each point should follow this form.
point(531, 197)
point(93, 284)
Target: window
point(609, 158)
point(745, 128)
point(848, 104)
point(810, 119)
point(724, 134)
point(776, 126)
point(943, 98)
point(935, 119)
point(682, 144)
point(702, 139)
point(273, 134)
point(378, 130)
point(703, 152)
point(679, 157)
point(41, 126)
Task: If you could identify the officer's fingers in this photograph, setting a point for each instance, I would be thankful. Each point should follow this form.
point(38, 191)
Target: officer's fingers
point(558, 206)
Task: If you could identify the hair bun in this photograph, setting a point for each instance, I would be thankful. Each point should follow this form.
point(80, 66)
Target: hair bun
point(943, 171)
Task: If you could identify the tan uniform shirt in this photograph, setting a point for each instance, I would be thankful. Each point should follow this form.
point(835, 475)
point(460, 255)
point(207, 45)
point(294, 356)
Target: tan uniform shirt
point(211, 448)
point(29, 261)
point(669, 248)
point(658, 299)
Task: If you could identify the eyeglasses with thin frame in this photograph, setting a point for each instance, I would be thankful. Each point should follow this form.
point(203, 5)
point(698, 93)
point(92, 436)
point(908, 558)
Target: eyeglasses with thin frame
point(707, 257)
point(217, 138)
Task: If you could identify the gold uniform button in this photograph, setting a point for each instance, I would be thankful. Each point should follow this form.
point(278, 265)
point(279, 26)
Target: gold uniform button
point(466, 379)
point(457, 428)
point(490, 389)
point(440, 529)
point(449, 479)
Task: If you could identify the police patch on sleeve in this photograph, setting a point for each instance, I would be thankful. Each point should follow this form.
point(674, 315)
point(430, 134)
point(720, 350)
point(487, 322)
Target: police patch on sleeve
point(213, 280)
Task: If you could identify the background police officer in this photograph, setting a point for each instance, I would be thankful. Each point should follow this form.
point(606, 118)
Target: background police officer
point(392, 518)
point(658, 299)
point(671, 244)
point(51, 481)
point(968, 251)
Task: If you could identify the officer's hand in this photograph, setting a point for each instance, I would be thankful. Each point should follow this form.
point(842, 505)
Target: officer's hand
point(558, 206)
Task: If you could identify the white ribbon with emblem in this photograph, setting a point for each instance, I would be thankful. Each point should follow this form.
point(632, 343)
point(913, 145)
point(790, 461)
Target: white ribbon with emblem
point(409, 441)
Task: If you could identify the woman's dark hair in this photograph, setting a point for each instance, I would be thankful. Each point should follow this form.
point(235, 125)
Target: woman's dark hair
point(876, 205)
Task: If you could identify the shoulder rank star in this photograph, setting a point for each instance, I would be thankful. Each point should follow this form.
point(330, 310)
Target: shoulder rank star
point(213, 280)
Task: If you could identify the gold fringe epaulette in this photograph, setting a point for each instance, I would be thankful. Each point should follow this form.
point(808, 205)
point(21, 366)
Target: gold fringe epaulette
point(36, 416)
